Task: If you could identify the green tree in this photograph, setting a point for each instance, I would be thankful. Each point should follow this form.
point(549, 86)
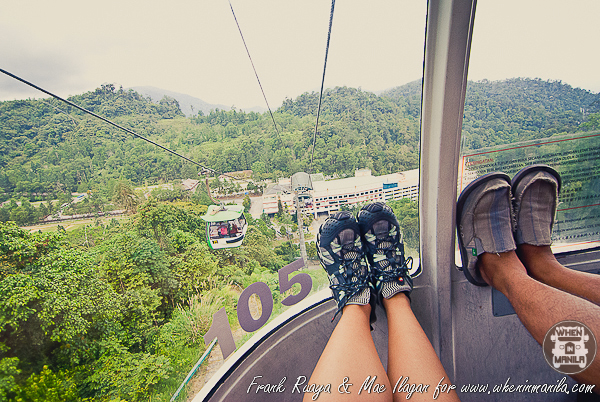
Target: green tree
point(592, 123)
point(125, 197)
point(257, 247)
point(48, 386)
point(8, 371)
point(165, 222)
point(280, 209)
point(20, 250)
point(288, 251)
point(311, 250)
point(193, 269)
point(246, 203)
point(122, 374)
point(61, 301)
point(407, 212)
point(136, 267)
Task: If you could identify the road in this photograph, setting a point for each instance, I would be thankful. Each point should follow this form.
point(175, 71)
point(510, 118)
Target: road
point(256, 207)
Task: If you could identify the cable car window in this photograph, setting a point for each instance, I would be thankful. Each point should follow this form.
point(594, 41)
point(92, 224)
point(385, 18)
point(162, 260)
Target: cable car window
point(529, 102)
point(379, 48)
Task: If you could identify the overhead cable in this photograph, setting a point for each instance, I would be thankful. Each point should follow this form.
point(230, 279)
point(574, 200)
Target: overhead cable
point(255, 73)
point(322, 84)
point(115, 124)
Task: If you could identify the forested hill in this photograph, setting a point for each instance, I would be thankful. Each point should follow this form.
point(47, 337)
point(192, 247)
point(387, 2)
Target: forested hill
point(45, 147)
point(517, 109)
point(48, 146)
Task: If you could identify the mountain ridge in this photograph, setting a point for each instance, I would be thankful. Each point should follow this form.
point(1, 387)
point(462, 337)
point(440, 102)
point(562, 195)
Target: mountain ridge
point(189, 105)
point(45, 149)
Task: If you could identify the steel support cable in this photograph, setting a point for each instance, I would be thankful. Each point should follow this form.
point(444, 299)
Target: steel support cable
point(255, 73)
point(322, 84)
point(116, 125)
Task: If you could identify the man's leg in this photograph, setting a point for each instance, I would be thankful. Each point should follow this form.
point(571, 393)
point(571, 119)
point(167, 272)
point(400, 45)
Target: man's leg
point(538, 305)
point(542, 265)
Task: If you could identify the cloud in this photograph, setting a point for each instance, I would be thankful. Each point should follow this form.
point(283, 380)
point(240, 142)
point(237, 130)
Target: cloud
point(53, 68)
point(69, 47)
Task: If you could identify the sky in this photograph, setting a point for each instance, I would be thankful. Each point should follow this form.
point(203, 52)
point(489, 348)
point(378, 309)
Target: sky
point(194, 47)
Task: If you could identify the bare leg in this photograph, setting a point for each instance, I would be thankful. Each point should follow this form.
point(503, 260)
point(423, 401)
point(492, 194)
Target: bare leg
point(542, 265)
point(410, 353)
point(350, 352)
point(538, 305)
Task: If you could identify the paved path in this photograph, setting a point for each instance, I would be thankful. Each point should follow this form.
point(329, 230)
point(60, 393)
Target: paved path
point(256, 207)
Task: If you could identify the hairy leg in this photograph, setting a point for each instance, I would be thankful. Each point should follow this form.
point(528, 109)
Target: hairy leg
point(538, 305)
point(542, 265)
point(410, 353)
point(350, 352)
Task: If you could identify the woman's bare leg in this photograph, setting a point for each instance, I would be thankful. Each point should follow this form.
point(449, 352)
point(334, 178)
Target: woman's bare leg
point(543, 266)
point(538, 305)
point(411, 355)
point(350, 352)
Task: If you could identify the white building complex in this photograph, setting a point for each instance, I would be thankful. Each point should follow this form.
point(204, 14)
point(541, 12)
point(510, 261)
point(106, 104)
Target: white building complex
point(327, 196)
point(282, 190)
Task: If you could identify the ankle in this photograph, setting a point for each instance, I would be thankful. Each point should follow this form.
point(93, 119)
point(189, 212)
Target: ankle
point(539, 260)
point(399, 300)
point(497, 269)
point(357, 309)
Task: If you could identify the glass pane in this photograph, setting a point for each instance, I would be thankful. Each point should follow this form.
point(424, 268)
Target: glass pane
point(541, 107)
point(168, 283)
point(575, 157)
point(367, 147)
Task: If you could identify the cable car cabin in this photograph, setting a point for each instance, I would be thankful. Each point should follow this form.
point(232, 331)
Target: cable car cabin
point(225, 226)
point(479, 339)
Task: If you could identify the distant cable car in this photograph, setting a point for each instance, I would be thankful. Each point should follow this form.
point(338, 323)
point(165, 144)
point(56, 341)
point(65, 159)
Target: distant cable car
point(225, 226)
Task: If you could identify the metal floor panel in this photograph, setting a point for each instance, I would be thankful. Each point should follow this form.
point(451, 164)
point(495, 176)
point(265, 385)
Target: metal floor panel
point(487, 350)
point(493, 350)
point(290, 349)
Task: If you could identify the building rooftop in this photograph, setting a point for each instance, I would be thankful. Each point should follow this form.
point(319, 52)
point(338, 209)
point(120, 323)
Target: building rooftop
point(277, 188)
point(409, 177)
point(301, 180)
point(317, 177)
